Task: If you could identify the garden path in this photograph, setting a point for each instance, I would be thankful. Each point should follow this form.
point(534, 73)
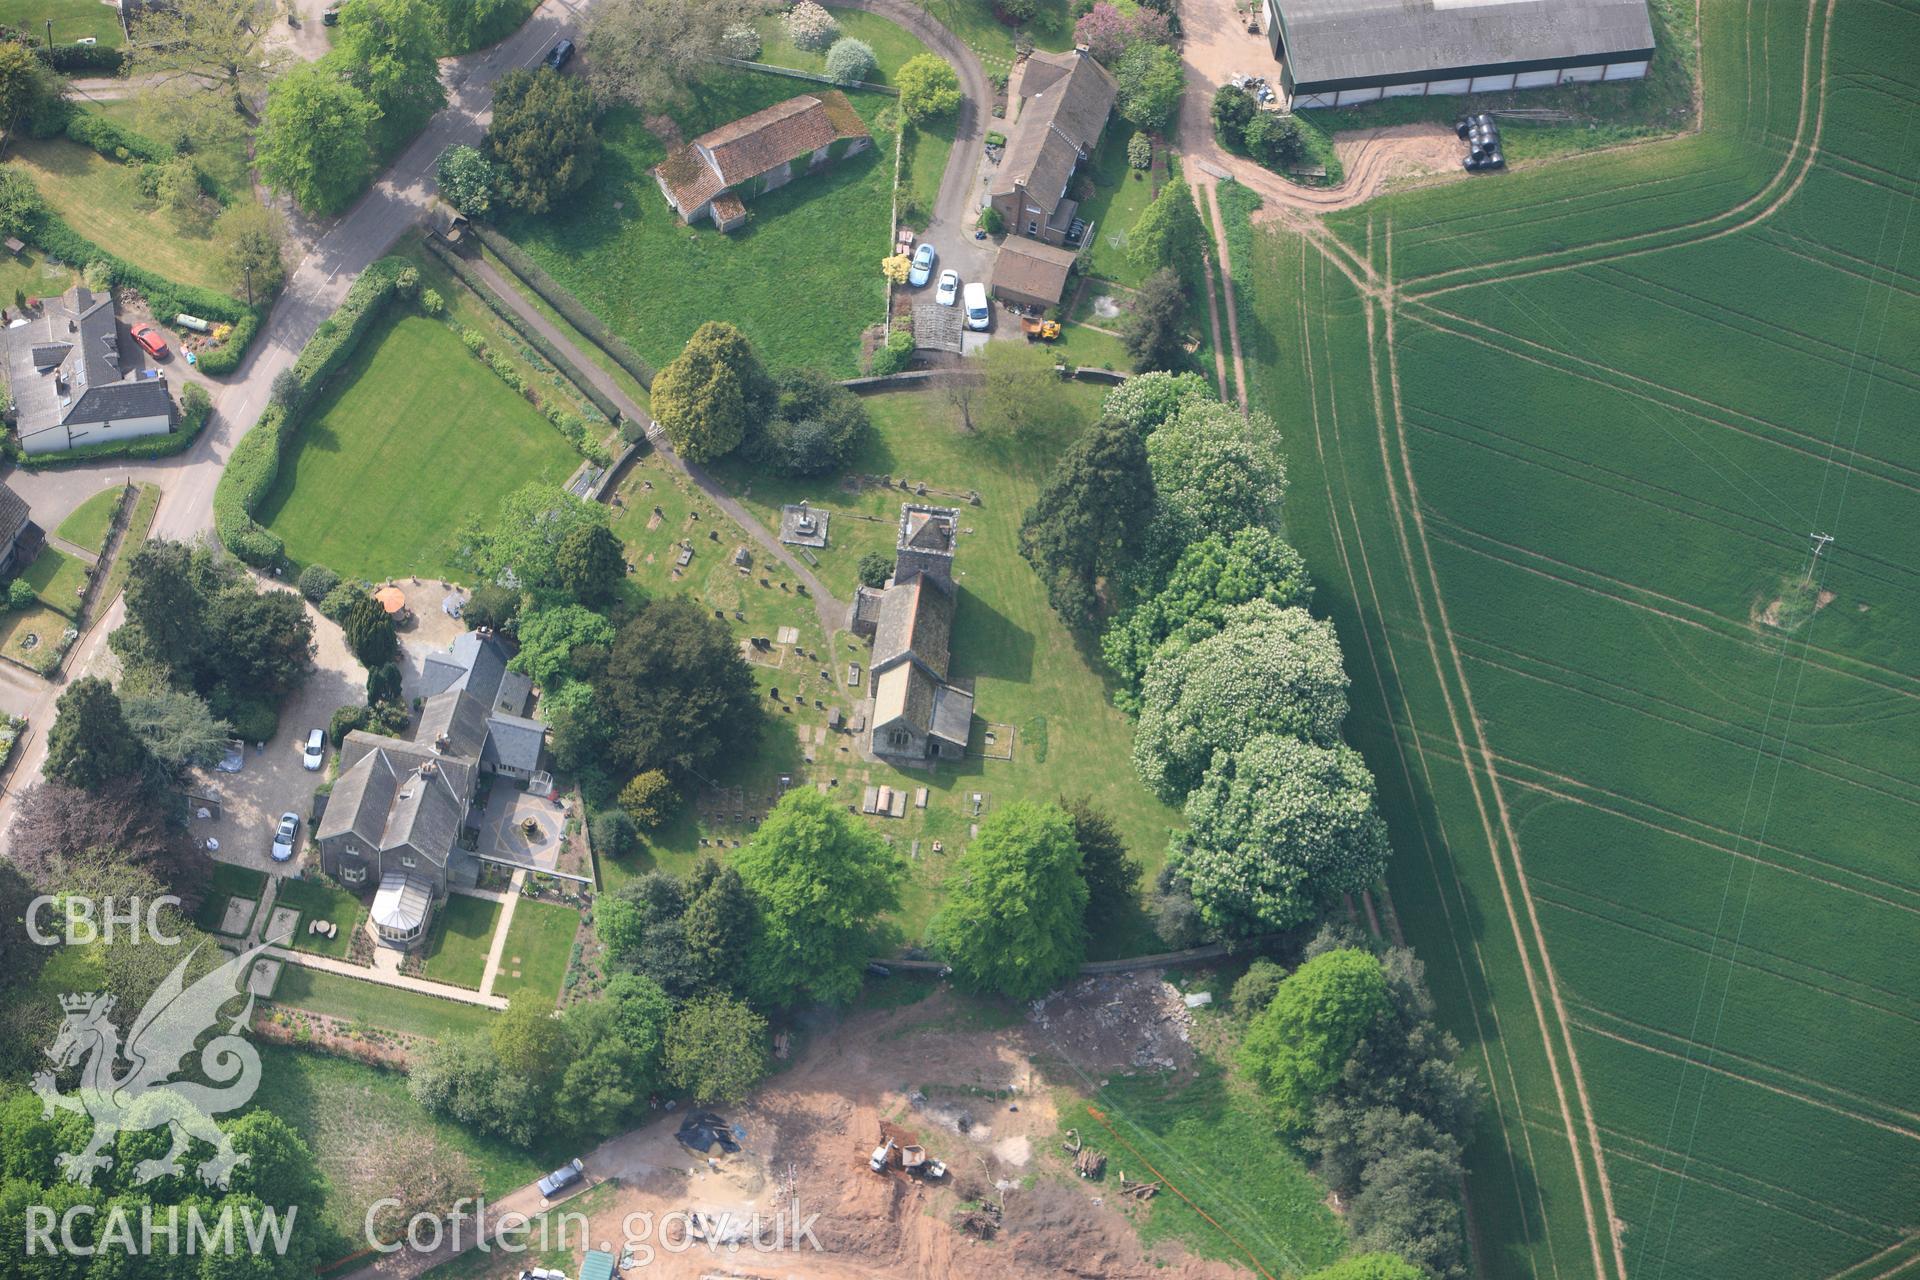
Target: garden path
point(508, 900)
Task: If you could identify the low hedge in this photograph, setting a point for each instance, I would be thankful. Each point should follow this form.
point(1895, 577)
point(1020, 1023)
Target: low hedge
point(69, 58)
point(254, 464)
point(167, 299)
point(560, 300)
point(534, 338)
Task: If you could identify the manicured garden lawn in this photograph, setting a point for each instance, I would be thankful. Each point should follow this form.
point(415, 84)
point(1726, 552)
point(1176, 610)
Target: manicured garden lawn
point(317, 900)
point(73, 20)
point(138, 523)
point(1120, 192)
point(355, 999)
point(892, 44)
point(58, 579)
point(88, 525)
point(34, 275)
point(349, 1113)
point(101, 199)
point(802, 278)
point(229, 881)
point(413, 437)
point(539, 944)
point(43, 624)
point(924, 155)
point(456, 946)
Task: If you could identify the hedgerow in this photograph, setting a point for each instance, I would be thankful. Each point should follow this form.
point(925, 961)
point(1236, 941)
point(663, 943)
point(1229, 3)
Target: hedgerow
point(536, 279)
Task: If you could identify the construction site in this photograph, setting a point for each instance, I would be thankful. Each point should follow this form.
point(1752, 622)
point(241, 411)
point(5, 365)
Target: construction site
point(927, 1141)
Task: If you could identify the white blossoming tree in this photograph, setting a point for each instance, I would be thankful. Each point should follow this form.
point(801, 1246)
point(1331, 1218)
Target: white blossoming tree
point(1216, 471)
point(1276, 831)
point(811, 27)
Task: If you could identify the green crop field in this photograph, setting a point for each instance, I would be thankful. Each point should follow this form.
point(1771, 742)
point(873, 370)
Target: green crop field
point(1559, 442)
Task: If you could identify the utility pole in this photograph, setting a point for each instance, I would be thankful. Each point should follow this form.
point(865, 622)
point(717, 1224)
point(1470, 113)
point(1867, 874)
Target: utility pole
point(1821, 541)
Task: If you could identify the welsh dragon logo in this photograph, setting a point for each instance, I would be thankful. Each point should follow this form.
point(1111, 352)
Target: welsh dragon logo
point(144, 1095)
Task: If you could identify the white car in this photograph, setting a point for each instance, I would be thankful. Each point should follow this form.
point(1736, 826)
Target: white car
point(315, 754)
point(922, 269)
point(979, 315)
point(286, 837)
point(949, 291)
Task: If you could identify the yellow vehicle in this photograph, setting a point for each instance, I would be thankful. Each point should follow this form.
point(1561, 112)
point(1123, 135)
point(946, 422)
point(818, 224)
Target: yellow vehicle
point(1044, 330)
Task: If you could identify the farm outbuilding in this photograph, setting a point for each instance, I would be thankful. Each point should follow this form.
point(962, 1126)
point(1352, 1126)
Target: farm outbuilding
point(1345, 52)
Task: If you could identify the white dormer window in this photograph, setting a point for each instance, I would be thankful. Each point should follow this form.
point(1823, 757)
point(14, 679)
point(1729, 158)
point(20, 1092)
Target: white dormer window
point(406, 861)
point(353, 875)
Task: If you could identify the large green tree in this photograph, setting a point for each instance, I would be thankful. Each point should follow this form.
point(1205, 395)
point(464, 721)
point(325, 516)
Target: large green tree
point(589, 563)
point(90, 743)
point(929, 87)
point(368, 629)
point(176, 727)
point(716, 1048)
point(1149, 399)
point(674, 691)
point(1150, 81)
point(208, 48)
point(1213, 576)
point(1154, 330)
point(653, 52)
point(549, 637)
point(819, 880)
point(542, 143)
point(1015, 916)
point(1296, 1047)
point(1090, 519)
point(465, 179)
point(1112, 876)
point(1267, 670)
point(314, 141)
point(1168, 232)
point(252, 239)
point(720, 923)
point(712, 394)
point(519, 544)
point(390, 49)
point(26, 86)
point(1276, 831)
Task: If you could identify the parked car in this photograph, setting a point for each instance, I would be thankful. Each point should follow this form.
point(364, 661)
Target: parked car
point(560, 54)
point(979, 315)
point(949, 291)
point(562, 1178)
point(330, 18)
point(286, 837)
point(922, 265)
point(151, 340)
point(316, 753)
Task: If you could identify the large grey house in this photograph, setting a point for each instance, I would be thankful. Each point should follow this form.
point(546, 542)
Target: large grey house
point(66, 380)
point(398, 809)
point(1343, 52)
point(918, 714)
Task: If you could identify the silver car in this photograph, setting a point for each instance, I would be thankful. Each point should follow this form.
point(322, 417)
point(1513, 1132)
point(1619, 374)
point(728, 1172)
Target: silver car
point(922, 270)
point(286, 837)
point(949, 290)
point(315, 754)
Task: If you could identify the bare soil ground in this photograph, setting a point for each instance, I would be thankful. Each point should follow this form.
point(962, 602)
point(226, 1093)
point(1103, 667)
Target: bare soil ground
point(976, 1096)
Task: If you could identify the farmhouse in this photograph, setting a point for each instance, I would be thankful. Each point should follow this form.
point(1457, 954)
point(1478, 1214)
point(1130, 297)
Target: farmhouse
point(1064, 101)
point(1341, 52)
point(917, 713)
point(395, 816)
point(67, 383)
point(712, 176)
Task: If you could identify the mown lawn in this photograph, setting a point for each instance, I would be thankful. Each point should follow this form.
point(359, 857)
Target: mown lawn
point(101, 199)
point(139, 522)
point(892, 44)
point(456, 948)
point(316, 900)
point(58, 579)
point(413, 437)
point(539, 944)
point(351, 1114)
point(88, 525)
point(974, 22)
point(29, 636)
point(73, 20)
point(1120, 193)
point(377, 1005)
point(229, 881)
point(802, 278)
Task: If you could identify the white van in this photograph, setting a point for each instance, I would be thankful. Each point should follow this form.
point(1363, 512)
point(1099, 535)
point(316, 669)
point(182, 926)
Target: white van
point(978, 313)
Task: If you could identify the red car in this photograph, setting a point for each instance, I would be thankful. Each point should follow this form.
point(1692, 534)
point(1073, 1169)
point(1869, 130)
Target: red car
point(150, 338)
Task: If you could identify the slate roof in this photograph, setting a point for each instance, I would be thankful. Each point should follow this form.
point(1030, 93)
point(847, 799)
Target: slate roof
point(916, 622)
point(513, 742)
point(1032, 269)
point(905, 693)
point(926, 528)
point(1059, 124)
point(13, 516)
point(391, 801)
point(63, 367)
point(477, 663)
point(748, 147)
point(952, 714)
point(454, 723)
point(1362, 40)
